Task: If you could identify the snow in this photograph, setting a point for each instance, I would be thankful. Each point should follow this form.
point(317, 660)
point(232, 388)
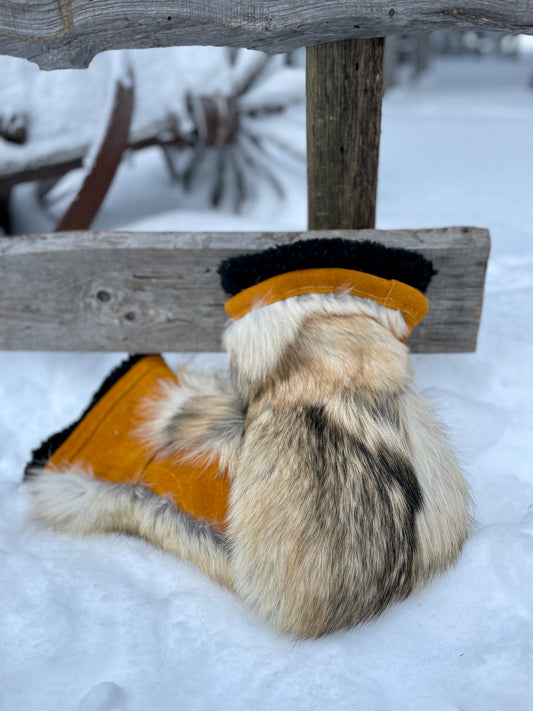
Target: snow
point(109, 623)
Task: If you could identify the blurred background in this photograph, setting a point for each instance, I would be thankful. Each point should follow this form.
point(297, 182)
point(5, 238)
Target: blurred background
point(196, 137)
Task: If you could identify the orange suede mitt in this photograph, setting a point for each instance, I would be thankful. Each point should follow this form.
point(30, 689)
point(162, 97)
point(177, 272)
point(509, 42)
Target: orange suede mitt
point(105, 440)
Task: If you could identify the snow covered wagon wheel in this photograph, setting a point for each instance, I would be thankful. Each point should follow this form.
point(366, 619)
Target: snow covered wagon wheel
point(229, 131)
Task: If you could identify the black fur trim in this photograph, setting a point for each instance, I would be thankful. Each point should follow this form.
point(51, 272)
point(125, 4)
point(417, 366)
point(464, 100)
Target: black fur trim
point(42, 454)
point(239, 273)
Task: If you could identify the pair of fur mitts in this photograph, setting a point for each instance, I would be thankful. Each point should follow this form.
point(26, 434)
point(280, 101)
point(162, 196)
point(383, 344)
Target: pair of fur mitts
point(315, 483)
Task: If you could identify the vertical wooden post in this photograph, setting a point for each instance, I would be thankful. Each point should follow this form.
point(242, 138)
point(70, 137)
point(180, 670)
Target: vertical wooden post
point(344, 87)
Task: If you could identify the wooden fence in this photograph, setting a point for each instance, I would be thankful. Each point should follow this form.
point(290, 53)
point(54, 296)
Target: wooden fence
point(160, 292)
point(68, 33)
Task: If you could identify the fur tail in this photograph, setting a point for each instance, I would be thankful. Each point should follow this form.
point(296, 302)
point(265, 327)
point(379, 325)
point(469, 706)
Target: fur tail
point(76, 502)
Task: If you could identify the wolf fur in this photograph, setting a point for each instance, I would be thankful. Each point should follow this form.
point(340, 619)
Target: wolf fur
point(345, 494)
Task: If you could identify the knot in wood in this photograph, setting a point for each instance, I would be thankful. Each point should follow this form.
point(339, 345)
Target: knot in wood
point(103, 295)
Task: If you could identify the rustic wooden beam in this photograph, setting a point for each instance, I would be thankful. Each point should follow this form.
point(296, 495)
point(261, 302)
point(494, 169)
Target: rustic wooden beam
point(69, 33)
point(53, 165)
point(151, 292)
point(56, 163)
point(344, 89)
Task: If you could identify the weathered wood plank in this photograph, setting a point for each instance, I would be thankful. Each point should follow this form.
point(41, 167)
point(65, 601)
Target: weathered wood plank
point(69, 33)
point(344, 89)
point(151, 292)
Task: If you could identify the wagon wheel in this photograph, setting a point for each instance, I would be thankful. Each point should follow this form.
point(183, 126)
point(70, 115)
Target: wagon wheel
point(228, 129)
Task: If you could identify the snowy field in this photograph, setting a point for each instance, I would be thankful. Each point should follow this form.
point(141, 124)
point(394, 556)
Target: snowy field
point(110, 624)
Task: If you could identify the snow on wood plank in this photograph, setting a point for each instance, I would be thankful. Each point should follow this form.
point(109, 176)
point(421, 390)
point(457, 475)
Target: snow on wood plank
point(69, 33)
point(152, 292)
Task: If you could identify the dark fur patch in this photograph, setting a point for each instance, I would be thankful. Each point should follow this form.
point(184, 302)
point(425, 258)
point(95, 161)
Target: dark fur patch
point(241, 272)
point(365, 504)
point(165, 511)
point(317, 420)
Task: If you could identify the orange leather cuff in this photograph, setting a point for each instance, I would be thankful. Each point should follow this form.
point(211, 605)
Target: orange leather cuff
point(105, 440)
point(387, 292)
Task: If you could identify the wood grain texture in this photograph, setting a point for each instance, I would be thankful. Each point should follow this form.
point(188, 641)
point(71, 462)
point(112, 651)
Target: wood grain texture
point(344, 89)
point(68, 33)
point(153, 292)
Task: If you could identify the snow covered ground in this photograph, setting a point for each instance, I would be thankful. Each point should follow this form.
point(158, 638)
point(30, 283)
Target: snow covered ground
point(109, 623)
